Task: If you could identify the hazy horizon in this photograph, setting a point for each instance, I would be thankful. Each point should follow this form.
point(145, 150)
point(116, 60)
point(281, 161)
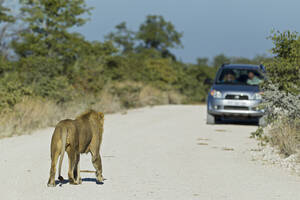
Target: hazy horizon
point(210, 27)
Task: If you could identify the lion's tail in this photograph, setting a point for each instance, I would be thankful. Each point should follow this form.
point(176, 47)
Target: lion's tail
point(64, 133)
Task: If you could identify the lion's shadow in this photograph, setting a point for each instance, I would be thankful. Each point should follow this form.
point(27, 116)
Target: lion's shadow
point(61, 183)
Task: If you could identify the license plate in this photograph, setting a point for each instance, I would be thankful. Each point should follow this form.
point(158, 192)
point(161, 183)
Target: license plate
point(234, 103)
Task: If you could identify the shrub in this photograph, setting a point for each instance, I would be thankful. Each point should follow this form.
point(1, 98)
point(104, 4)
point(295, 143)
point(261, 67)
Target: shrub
point(45, 76)
point(285, 135)
point(160, 73)
point(34, 68)
point(12, 91)
point(278, 103)
point(89, 74)
point(284, 69)
point(195, 82)
point(281, 99)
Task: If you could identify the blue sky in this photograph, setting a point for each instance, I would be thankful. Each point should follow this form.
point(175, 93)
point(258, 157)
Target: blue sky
point(210, 27)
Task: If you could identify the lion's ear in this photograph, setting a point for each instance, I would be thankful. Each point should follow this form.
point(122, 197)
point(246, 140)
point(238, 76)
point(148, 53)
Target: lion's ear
point(101, 114)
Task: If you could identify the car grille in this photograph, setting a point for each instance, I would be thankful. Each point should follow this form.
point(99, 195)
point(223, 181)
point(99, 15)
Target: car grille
point(236, 97)
point(236, 108)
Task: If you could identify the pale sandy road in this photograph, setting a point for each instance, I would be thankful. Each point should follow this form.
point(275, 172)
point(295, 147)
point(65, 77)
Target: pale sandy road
point(152, 153)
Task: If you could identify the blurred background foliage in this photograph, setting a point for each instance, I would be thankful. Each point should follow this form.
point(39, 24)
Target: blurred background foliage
point(46, 60)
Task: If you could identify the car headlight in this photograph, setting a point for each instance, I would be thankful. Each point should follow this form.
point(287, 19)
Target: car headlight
point(257, 96)
point(216, 94)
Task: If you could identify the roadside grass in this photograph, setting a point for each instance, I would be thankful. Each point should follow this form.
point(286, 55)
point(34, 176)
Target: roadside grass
point(284, 134)
point(33, 113)
point(28, 115)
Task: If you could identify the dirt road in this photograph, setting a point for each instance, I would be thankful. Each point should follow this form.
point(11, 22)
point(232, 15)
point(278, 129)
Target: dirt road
point(165, 152)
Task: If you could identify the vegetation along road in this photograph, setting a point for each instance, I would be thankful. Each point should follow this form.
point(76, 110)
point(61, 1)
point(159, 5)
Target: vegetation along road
point(164, 152)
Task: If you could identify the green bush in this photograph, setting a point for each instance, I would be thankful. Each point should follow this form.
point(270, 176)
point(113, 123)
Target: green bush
point(45, 77)
point(281, 94)
point(195, 82)
point(57, 89)
point(160, 73)
point(284, 69)
point(12, 91)
point(89, 74)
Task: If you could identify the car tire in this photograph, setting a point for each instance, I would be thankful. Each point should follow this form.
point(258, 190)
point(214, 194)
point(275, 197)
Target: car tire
point(210, 119)
point(262, 121)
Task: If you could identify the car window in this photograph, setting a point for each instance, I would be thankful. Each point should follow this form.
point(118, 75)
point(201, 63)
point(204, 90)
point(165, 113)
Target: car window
point(240, 76)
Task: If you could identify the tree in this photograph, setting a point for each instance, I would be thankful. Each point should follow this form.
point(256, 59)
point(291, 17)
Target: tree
point(284, 44)
point(202, 61)
point(4, 13)
point(284, 69)
point(123, 38)
point(159, 34)
point(220, 59)
point(6, 20)
point(242, 60)
point(48, 33)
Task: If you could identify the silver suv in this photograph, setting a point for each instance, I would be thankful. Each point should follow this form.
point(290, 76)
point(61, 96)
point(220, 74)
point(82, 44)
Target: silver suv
point(235, 93)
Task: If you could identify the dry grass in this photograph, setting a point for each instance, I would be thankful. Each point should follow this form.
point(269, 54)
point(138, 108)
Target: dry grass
point(28, 115)
point(285, 135)
point(107, 102)
point(34, 113)
point(152, 96)
point(175, 98)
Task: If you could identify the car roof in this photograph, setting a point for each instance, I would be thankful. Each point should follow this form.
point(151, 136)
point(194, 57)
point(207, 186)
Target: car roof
point(240, 66)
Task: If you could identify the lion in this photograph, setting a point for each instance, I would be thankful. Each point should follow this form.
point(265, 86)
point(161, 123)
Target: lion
point(82, 135)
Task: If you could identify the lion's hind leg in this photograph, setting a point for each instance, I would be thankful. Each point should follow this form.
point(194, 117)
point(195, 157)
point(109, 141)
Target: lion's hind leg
point(55, 152)
point(96, 160)
point(77, 170)
point(72, 164)
point(51, 182)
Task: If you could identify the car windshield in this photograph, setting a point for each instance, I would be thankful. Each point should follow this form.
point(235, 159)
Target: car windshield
point(240, 77)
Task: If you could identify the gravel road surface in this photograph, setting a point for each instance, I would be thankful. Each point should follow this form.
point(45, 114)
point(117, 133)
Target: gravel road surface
point(164, 152)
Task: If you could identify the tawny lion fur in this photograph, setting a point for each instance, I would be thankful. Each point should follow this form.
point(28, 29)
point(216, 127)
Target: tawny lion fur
point(82, 135)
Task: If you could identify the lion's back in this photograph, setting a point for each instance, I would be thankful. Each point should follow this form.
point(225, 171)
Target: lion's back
point(89, 130)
